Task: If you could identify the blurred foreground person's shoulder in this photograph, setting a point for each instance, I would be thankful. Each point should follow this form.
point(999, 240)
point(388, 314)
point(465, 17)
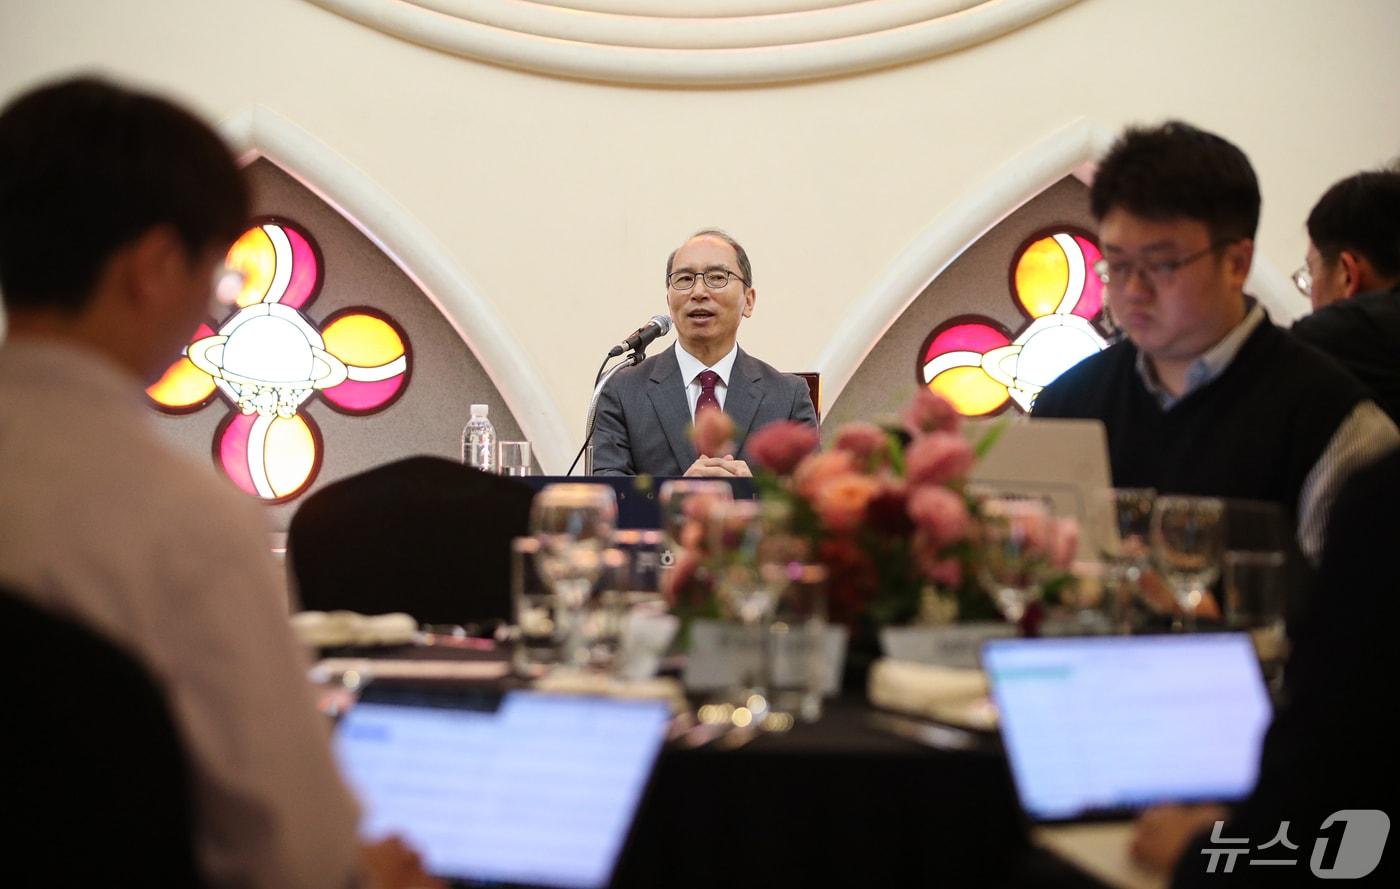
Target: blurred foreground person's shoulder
point(116, 209)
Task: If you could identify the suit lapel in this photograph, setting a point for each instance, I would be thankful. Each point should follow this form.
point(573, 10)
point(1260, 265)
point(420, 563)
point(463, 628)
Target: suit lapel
point(744, 396)
point(666, 390)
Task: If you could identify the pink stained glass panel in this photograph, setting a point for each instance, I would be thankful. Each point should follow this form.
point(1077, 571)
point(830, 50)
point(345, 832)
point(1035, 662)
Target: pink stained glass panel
point(980, 338)
point(233, 452)
point(304, 271)
point(355, 395)
point(1091, 302)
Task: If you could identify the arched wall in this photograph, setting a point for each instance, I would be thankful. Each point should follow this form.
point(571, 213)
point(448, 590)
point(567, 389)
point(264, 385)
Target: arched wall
point(558, 198)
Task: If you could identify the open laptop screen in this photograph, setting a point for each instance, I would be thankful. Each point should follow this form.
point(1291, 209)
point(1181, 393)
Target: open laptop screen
point(1104, 726)
point(517, 789)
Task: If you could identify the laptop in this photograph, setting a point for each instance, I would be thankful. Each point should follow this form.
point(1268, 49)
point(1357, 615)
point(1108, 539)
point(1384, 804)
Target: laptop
point(503, 789)
point(1064, 461)
point(1097, 729)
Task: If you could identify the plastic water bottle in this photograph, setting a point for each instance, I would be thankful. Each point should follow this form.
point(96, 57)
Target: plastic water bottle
point(479, 441)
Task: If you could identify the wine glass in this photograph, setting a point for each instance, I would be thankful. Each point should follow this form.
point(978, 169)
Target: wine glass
point(1128, 552)
point(1188, 543)
point(1015, 537)
point(574, 525)
point(674, 496)
point(752, 546)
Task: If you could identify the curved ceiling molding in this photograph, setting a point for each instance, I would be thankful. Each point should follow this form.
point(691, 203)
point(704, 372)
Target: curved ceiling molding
point(687, 44)
point(261, 132)
point(1071, 150)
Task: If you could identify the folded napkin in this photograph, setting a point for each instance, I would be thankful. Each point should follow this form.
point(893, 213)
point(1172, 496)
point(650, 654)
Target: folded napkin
point(581, 682)
point(945, 694)
point(333, 629)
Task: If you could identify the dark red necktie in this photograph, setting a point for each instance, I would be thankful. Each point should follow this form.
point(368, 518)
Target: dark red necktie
point(707, 400)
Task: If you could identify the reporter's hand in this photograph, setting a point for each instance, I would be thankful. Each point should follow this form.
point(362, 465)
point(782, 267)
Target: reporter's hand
point(393, 864)
point(1162, 833)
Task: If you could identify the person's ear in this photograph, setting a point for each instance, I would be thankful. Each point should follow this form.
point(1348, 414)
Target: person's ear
point(1355, 272)
point(1239, 256)
point(750, 295)
point(155, 270)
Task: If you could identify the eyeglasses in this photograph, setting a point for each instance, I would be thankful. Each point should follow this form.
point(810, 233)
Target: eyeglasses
point(1157, 274)
point(714, 279)
point(1302, 279)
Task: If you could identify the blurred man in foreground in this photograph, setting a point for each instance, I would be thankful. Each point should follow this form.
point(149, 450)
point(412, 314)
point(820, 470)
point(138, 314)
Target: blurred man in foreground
point(116, 210)
point(1352, 277)
point(644, 411)
point(1205, 395)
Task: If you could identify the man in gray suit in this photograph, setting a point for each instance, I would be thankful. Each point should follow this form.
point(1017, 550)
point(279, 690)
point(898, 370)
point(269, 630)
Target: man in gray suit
point(645, 412)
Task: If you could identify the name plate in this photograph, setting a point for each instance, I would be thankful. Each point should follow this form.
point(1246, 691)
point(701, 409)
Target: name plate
point(723, 654)
point(949, 645)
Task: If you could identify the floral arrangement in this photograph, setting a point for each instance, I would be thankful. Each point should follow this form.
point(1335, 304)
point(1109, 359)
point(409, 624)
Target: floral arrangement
point(886, 509)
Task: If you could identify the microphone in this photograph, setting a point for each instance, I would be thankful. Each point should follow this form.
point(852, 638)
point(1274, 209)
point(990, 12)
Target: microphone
point(659, 325)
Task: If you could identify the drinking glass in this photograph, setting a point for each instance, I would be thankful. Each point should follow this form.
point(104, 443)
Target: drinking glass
point(1015, 536)
point(532, 603)
point(574, 525)
point(752, 547)
point(797, 643)
point(1188, 542)
point(677, 492)
point(1127, 553)
point(513, 458)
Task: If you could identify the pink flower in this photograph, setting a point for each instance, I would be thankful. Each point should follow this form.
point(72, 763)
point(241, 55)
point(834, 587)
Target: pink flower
point(929, 413)
point(779, 447)
point(1064, 542)
point(946, 571)
point(937, 458)
point(939, 513)
point(817, 469)
point(866, 442)
point(713, 433)
point(842, 501)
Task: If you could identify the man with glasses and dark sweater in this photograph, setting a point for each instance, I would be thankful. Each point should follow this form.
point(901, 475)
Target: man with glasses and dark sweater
point(1205, 395)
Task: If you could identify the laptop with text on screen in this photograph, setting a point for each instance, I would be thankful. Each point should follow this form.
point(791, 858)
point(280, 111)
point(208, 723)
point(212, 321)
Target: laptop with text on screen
point(513, 789)
point(1098, 728)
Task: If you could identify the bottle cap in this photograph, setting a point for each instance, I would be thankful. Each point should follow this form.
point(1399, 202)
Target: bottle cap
point(479, 410)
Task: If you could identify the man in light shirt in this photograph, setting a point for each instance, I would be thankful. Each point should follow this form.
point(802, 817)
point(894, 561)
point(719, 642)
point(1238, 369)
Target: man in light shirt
point(645, 411)
point(116, 210)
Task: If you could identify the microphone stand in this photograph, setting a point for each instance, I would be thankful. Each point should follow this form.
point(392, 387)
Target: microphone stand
point(632, 360)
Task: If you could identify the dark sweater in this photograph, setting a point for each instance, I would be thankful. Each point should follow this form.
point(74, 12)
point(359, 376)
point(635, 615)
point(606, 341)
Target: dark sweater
point(1363, 335)
point(1254, 432)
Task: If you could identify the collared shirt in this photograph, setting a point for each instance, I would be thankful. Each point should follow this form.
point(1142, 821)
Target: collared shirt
point(1363, 436)
point(692, 368)
point(103, 522)
point(1209, 365)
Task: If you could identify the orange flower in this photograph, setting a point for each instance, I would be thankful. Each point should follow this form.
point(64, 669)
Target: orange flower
point(817, 469)
point(841, 502)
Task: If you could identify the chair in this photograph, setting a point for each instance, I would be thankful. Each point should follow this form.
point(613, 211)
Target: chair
point(423, 535)
point(97, 785)
point(813, 379)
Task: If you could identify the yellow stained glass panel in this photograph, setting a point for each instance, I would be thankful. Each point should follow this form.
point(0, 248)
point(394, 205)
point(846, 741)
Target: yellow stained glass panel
point(970, 390)
point(181, 385)
point(289, 454)
point(1041, 277)
point(254, 257)
point(362, 341)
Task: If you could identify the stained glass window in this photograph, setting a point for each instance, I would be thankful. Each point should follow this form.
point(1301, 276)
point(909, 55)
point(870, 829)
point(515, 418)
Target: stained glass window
point(267, 358)
point(982, 367)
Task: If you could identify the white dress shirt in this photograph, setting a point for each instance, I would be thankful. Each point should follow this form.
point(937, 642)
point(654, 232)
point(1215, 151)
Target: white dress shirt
point(101, 521)
point(692, 368)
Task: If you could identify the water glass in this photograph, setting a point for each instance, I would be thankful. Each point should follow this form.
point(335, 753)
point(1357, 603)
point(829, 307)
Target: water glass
point(1128, 554)
point(1188, 544)
point(535, 636)
point(513, 458)
point(797, 644)
point(674, 496)
point(1015, 537)
point(574, 525)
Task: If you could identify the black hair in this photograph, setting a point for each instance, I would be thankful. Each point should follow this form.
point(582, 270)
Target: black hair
point(86, 167)
point(1177, 171)
point(1360, 214)
point(745, 270)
